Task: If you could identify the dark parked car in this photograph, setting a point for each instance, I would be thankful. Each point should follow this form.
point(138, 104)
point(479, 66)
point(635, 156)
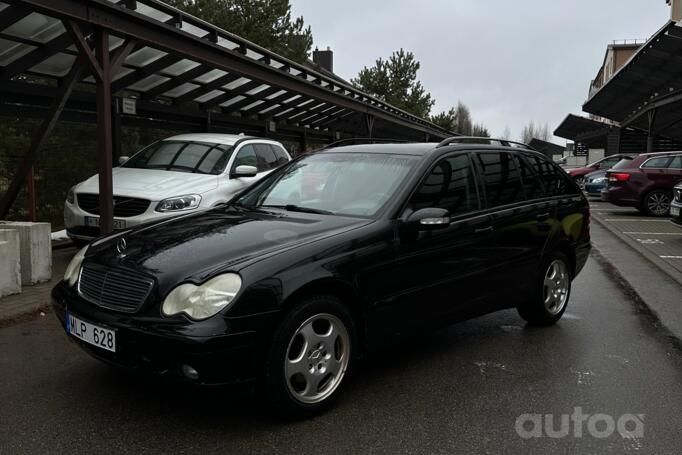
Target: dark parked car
point(595, 181)
point(676, 206)
point(291, 281)
point(578, 174)
point(645, 183)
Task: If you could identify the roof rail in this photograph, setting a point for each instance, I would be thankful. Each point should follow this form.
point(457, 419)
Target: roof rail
point(483, 140)
point(364, 140)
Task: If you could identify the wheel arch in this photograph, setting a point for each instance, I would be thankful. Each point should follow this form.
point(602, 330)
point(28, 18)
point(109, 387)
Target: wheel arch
point(340, 289)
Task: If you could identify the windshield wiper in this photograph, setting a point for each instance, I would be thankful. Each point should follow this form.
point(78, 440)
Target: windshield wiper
point(298, 208)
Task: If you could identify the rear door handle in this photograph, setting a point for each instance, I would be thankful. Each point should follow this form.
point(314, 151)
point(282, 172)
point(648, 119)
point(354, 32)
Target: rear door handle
point(483, 230)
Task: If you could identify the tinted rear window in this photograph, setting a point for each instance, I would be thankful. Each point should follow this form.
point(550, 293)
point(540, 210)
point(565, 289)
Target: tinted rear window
point(554, 180)
point(623, 164)
point(501, 178)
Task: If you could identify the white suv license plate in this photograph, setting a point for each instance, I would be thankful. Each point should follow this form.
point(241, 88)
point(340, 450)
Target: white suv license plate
point(675, 211)
point(94, 221)
point(91, 333)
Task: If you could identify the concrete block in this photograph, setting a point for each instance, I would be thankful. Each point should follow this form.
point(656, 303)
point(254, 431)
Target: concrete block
point(10, 263)
point(35, 248)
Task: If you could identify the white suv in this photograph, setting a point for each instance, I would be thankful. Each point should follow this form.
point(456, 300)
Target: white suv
point(171, 177)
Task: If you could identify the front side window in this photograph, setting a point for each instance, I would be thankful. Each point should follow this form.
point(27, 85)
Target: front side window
point(182, 156)
point(246, 156)
point(501, 178)
point(351, 184)
point(450, 185)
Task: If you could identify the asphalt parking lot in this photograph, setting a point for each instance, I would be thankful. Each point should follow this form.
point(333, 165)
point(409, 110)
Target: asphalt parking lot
point(459, 390)
point(656, 238)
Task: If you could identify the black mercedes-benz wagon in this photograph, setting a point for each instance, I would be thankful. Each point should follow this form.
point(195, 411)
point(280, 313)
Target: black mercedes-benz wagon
point(327, 258)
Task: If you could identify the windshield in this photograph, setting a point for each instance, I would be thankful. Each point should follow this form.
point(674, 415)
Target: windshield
point(624, 163)
point(182, 156)
point(353, 184)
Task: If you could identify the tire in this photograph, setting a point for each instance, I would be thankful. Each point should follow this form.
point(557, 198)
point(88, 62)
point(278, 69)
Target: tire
point(305, 352)
point(553, 290)
point(656, 203)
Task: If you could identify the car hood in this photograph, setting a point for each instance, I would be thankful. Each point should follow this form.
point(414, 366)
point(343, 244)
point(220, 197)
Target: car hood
point(578, 171)
point(195, 247)
point(152, 184)
point(595, 175)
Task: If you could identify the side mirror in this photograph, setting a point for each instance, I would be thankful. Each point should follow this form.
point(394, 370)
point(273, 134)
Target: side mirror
point(122, 159)
point(429, 219)
point(244, 171)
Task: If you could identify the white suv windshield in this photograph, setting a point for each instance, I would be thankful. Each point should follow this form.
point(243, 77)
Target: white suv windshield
point(352, 184)
point(182, 156)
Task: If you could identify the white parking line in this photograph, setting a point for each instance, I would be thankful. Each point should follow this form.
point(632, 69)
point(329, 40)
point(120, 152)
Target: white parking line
point(671, 257)
point(653, 233)
point(632, 221)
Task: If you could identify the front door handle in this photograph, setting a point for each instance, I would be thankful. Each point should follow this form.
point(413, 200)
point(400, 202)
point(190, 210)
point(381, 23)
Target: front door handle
point(483, 230)
point(543, 216)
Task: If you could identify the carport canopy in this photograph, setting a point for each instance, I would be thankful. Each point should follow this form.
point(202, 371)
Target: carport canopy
point(176, 68)
point(646, 93)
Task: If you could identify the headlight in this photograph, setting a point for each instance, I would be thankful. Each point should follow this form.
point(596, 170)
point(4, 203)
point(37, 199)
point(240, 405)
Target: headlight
point(71, 196)
point(74, 267)
point(599, 180)
point(176, 204)
point(201, 302)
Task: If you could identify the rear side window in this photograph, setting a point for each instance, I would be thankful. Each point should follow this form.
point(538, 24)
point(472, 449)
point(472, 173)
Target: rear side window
point(501, 178)
point(660, 162)
point(280, 154)
point(450, 185)
point(531, 183)
point(554, 179)
point(676, 163)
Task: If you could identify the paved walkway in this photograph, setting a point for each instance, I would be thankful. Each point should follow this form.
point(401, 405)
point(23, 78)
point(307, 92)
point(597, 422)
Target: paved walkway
point(34, 299)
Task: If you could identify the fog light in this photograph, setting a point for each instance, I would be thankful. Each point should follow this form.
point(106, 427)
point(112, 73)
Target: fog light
point(189, 372)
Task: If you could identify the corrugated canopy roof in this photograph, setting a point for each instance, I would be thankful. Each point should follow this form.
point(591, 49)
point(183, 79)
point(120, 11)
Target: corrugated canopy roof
point(179, 60)
point(654, 72)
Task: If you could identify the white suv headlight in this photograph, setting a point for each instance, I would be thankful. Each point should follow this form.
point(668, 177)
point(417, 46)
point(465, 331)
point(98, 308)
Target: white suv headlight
point(201, 302)
point(179, 203)
point(74, 267)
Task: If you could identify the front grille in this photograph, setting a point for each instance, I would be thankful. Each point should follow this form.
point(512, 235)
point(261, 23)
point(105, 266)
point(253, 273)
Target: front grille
point(114, 289)
point(123, 206)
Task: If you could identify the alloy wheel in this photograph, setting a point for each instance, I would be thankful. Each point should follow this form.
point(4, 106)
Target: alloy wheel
point(658, 203)
point(556, 286)
point(317, 358)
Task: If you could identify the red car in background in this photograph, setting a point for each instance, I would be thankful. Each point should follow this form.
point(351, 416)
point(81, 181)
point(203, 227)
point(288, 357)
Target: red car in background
point(578, 174)
point(645, 182)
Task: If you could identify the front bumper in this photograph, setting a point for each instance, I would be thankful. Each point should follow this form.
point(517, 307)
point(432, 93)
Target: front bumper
point(676, 220)
point(220, 356)
point(76, 229)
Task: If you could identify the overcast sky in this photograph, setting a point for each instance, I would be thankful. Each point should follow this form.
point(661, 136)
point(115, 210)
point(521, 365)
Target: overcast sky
point(510, 61)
